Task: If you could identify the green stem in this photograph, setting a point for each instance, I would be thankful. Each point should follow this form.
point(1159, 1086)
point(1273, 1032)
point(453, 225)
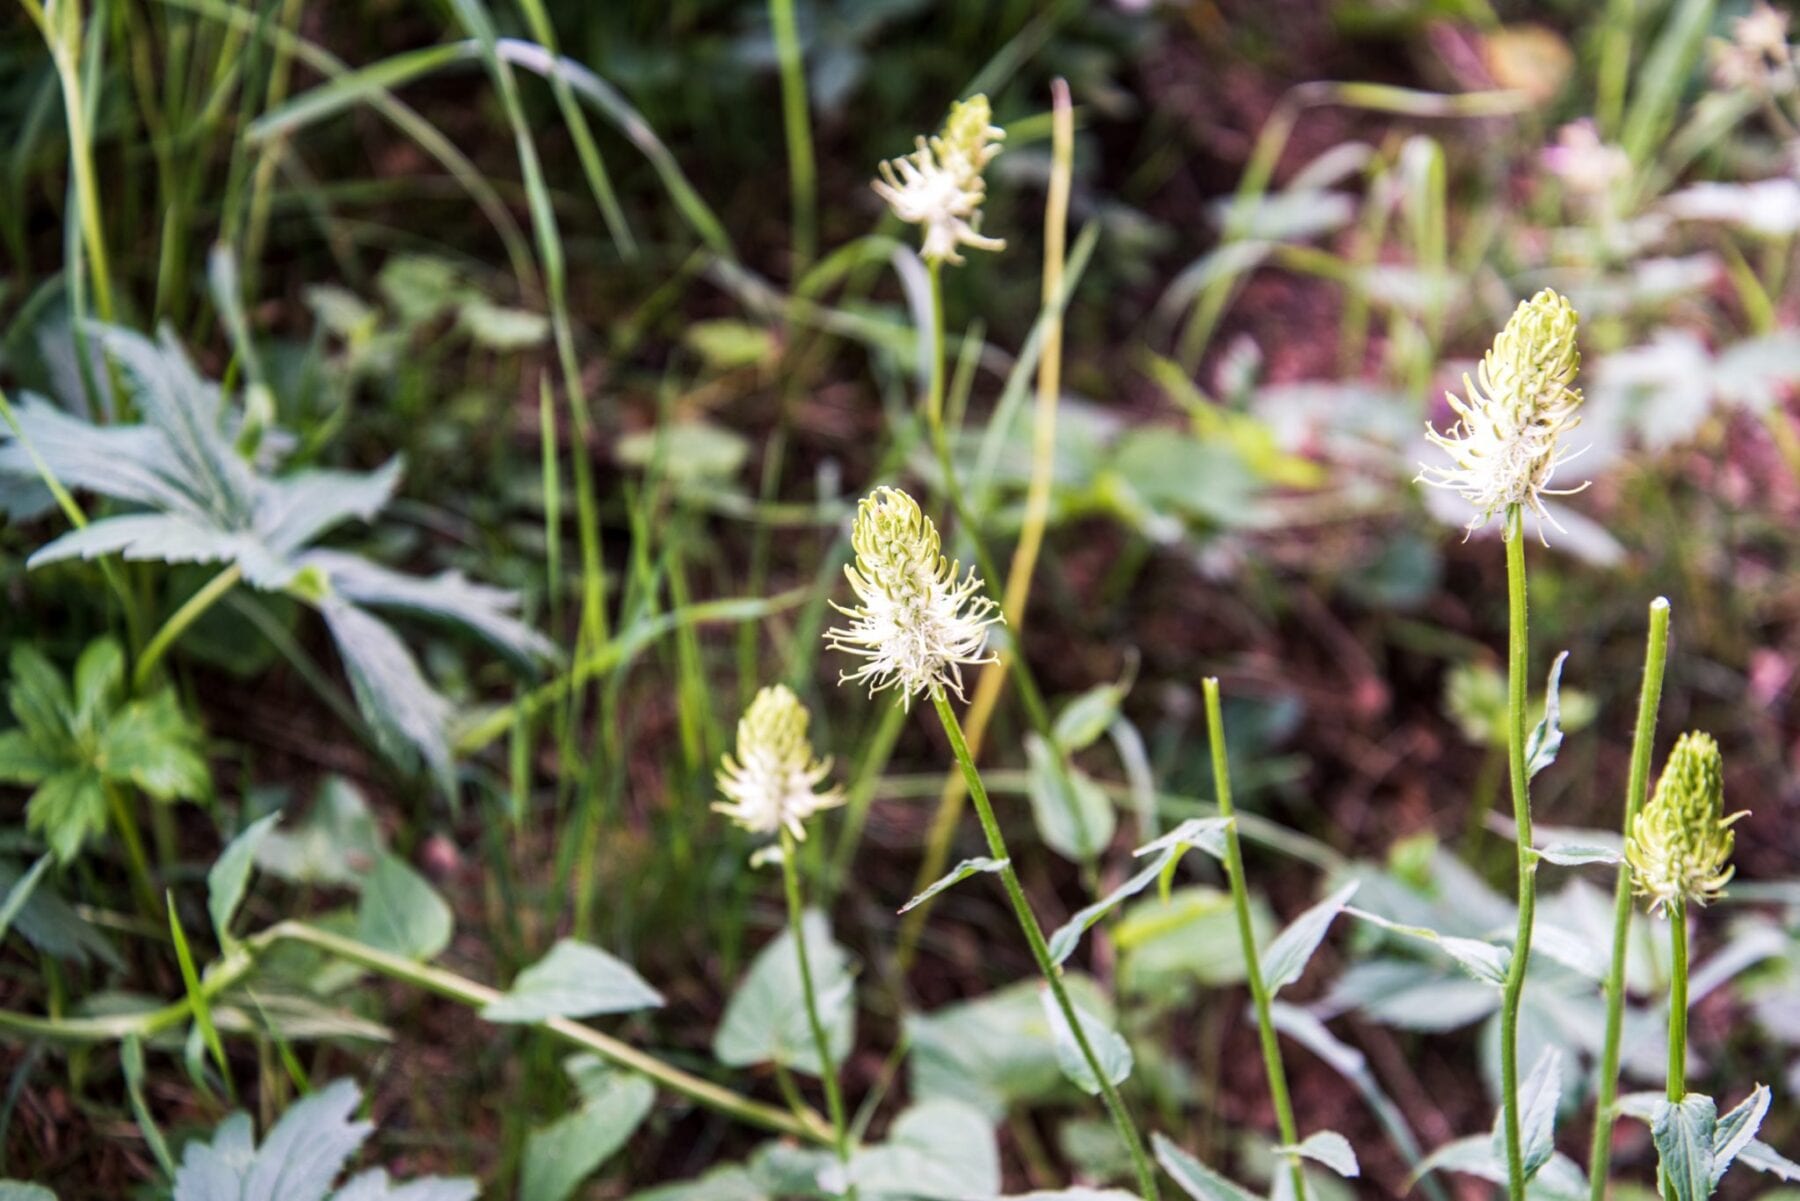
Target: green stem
point(1240, 901)
point(1517, 663)
point(1678, 1001)
point(1643, 742)
point(834, 1097)
point(172, 629)
point(126, 822)
point(798, 123)
point(1040, 951)
point(237, 964)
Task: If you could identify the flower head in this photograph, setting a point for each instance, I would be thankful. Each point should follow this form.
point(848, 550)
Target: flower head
point(1680, 842)
point(1505, 444)
point(917, 624)
point(939, 185)
point(771, 783)
point(1758, 56)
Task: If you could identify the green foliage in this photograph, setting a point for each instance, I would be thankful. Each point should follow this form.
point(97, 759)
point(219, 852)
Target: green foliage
point(78, 738)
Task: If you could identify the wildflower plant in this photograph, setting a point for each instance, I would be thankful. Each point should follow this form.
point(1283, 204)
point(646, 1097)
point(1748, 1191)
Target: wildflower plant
point(1679, 846)
point(772, 785)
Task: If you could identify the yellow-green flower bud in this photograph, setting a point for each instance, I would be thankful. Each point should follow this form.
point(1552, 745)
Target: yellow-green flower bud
point(1679, 845)
point(771, 783)
point(920, 620)
point(1505, 445)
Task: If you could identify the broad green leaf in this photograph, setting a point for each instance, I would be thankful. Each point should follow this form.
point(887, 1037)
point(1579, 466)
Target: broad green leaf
point(938, 1150)
point(1559, 1179)
point(1170, 949)
point(1546, 737)
point(1110, 1049)
point(407, 714)
point(229, 875)
point(1195, 1178)
point(99, 682)
point(1538, 1097)
point(47, 922)
point(1683, 1134)
point(39, 696)
point(563, 1154)
point(956, 875)
point(18, 894)
point(152, 744)
point(1737, 1128)
point(1074, 817)
point(729, 1182)
point(994, 1052)
point(574, 980)
point(400, 912)
point(336, 844)
point(691, 451)
point(766, 1021)
point(23, 761)
point(726, 344)
point(19, 1190)
point(1286, 957)
point(1085, 718)
point(1329, 1148)
point(419, 286)
point(500, 328)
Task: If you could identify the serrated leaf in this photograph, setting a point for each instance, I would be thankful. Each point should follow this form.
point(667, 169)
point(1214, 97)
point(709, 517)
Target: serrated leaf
point(1074, 817)
point(1329, 1148)
point(448, 596)
point(229, 875)
point(1683, 1134)
point(1737, 1128)
point(956, 875)
point(1286, 957)
point(401, 912)
point(1546, 737)
point(1110, 1049)
point(67, 809)
point(1195, 1178)
point(575, 980)
point(407, 714)
point(561, 1155)
point(766, 1022)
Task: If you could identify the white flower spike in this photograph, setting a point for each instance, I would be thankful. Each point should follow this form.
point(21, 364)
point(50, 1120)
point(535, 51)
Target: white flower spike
point(1505, 445)
point(917, 625)
point(939, 185)
point(771, 784)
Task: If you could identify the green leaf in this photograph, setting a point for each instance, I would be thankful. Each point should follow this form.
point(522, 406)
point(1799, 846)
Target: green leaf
point(19, 1190)
point(402, 913)
point(48, 923)
point(1683, 1134)
point(67, 809)
point(727, 344)
point(152, 744)
point(1329, 1148)
point(99, 682)
point(765, 1021)
point(19, 894)
point(1737, 1128)
point(1068, 936)
point(1085, 718)
point(418, 286)
point(574, 980)
point(1547, 736)
point(1286, 957)
point(1074, 817)
point(39, 697)
point(938, 1150)
point(563, 1154)
point(956, 875)
point(1538, 1098)
point(1110, 1049)
point(1169, 950)
point(23, 761)
point(995, 1051)
point(336, 844)
point(198, 1001)
point(1574, 854)
point(1195, 1178)
point(1764, 1158)
point(691, 451)
point(230, 874)
point(1482, 960)
point(500, 328)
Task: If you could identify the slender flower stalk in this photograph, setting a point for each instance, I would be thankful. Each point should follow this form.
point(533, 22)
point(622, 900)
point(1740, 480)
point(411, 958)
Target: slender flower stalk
point(771, 788)
point(797, 121)
point(1643, 741)
point(1504, 449)
point(918, 623)
point(1240, 902)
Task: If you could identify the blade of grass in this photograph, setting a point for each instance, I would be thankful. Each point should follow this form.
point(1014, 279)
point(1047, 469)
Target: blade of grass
point(199, 1001)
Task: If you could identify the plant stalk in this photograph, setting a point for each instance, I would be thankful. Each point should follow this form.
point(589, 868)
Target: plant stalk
point(1517, 663)
point(797, 122)
point(1040, 951)
point(828, 1077)
point(191, 609)
point(1678, 1001)
point(1240, 901)
point(1642, 743)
